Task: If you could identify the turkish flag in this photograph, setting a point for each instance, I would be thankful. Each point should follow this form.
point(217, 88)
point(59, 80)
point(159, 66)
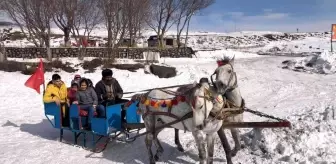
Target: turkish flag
point(37, 78)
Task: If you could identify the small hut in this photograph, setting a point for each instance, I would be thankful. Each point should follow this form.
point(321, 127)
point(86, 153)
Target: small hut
point(153, 41)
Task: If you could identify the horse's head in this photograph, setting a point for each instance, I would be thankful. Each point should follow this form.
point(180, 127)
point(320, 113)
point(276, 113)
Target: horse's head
point(225, 75)
point(203, 103)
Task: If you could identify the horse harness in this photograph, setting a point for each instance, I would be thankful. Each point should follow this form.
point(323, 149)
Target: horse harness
point(223, 114)
point(220, 115)
point(233, 74)
point(227, 104)
point(168, 113)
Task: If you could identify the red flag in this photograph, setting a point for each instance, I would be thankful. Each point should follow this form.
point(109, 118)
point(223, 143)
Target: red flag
point(37, 78)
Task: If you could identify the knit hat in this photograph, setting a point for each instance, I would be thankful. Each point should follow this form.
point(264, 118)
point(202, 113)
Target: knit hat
point(74, 81)
point(77, 76)
point(107, 72)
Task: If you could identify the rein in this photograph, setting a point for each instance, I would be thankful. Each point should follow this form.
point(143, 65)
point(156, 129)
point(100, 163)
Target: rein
point(172, 86)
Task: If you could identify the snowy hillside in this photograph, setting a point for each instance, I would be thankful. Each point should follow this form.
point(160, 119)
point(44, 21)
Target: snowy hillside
point(261, 42)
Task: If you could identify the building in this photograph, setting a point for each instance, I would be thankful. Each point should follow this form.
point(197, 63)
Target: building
point(153, 41)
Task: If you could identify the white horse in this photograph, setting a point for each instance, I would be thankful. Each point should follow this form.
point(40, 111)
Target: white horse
point(226, 84)
point(200, 101)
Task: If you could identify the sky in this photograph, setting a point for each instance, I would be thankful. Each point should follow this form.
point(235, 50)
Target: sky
point(266, 15)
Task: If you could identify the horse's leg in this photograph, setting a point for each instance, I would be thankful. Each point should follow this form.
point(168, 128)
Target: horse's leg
point(236, 138)
point(150, 125)
point(199, 138)
point(177, 141)
point(159, 147)
point(226, 145)
point(210, 146)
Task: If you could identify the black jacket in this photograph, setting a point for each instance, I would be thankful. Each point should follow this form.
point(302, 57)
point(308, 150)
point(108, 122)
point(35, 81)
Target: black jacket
point(102, 93)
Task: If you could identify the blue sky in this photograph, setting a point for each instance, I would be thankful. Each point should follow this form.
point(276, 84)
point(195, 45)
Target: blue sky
point(269, 15)
point(265, 15)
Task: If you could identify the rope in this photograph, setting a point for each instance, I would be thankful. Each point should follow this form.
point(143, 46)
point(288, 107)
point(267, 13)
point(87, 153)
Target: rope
point(173, 86)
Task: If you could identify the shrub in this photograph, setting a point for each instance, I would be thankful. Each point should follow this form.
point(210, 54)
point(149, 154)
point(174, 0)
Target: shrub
point(29, 68)
point(107, 63)
point(92, 65)
point(12, 66)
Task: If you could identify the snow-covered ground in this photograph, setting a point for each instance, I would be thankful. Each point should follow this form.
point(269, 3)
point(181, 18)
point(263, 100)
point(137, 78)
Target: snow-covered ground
point(247, 41)
point(323, 63)
point(307, 100)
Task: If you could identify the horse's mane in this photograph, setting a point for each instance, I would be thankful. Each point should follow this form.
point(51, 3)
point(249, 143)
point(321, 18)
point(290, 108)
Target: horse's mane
point(187, 90)
point(223, 61)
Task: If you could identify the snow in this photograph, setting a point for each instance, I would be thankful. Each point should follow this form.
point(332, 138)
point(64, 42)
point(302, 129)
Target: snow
point(244, 41)
point(307, 100)
point(323, 63)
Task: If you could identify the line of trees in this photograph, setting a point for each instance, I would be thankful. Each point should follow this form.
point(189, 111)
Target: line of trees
point(122, 18)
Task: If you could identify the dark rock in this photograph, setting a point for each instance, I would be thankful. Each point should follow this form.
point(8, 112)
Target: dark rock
point(163, 71)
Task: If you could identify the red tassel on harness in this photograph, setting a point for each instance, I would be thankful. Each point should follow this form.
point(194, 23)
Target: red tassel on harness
point(152, 102)
point(220, 63)
point(174, 102)
point(183, 98)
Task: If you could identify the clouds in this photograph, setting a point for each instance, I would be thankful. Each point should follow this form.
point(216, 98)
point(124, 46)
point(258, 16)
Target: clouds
point(267, 15)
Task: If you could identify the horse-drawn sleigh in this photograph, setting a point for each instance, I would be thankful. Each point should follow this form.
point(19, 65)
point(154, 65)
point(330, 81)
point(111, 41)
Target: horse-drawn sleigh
point(203, 108)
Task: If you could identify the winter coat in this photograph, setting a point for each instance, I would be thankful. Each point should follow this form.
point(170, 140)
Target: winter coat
point(101, 91)
point(72, 95)
point(53, 93)
point(87, 97)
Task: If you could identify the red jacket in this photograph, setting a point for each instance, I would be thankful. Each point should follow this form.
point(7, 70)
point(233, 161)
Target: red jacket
point(72, 95)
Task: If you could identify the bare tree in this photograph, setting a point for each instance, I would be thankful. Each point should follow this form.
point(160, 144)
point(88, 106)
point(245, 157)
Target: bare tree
point(115, 20)
point(4, 35)
point(187, 9)
point(33, 17)
point(162, 16)
point(136, 11)
point(142, 15)
point(87, 17)
point(64, 15)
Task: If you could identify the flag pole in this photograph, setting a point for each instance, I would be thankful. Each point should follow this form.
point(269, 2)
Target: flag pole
point(43, 79)
point(43, 88)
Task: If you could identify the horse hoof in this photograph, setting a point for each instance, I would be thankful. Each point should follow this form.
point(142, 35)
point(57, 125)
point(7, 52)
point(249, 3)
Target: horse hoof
point(156, 157)
point(203, 161)
point(180, 149)
point(234, 153)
